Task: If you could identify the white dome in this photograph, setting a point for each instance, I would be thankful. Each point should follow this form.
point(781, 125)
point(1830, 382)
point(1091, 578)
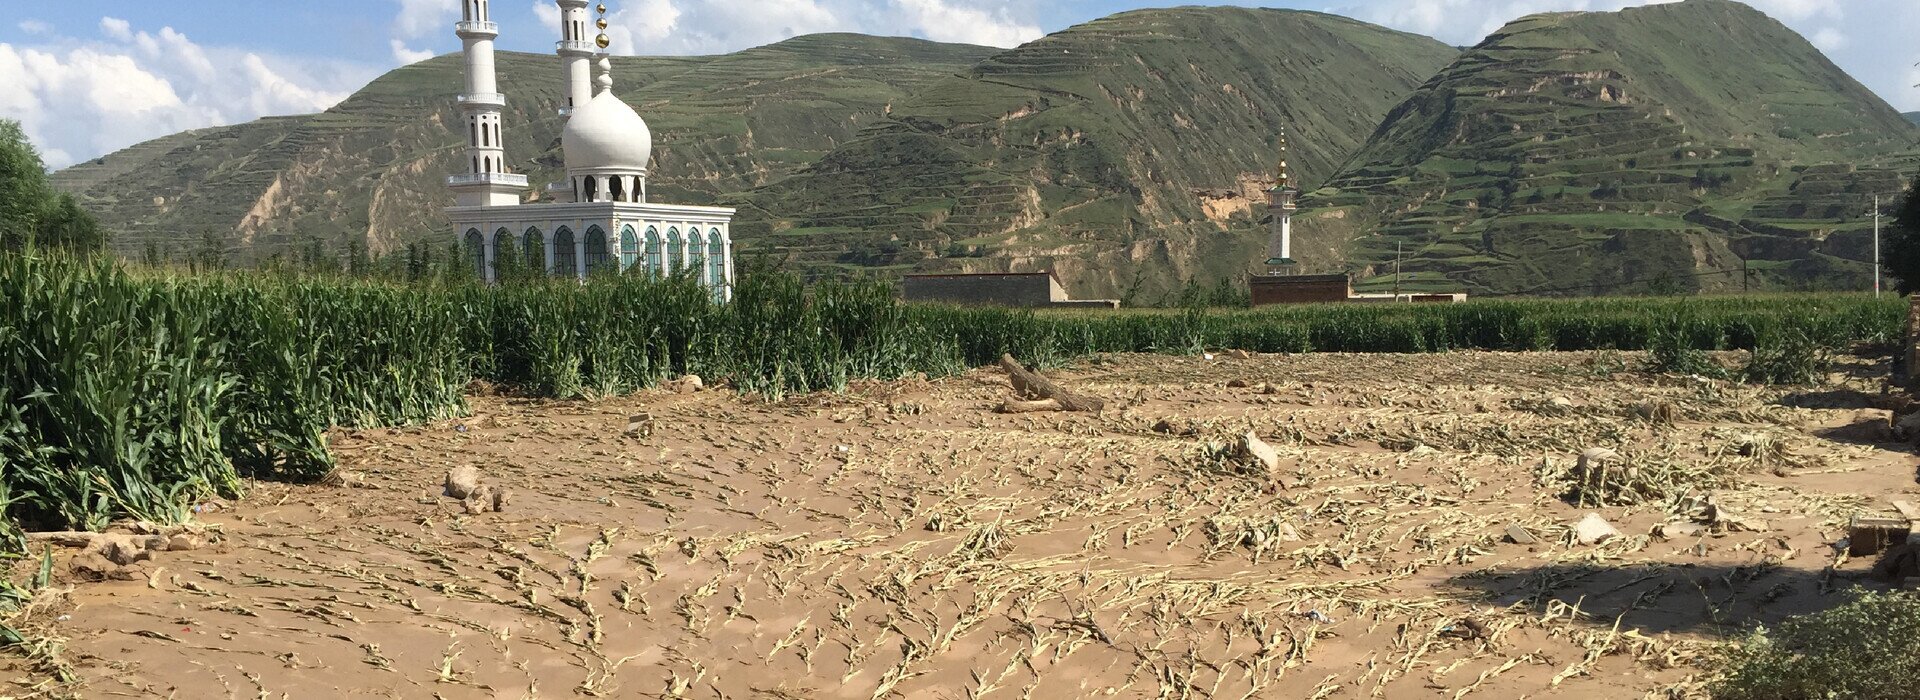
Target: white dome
point(606, 136)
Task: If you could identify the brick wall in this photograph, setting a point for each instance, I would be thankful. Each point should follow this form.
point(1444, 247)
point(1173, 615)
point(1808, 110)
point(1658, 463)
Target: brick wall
point(1299, 289)
point(1020, 290)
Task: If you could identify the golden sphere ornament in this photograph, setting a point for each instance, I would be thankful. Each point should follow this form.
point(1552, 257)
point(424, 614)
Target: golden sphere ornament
point(601, 23)
point(602, 41)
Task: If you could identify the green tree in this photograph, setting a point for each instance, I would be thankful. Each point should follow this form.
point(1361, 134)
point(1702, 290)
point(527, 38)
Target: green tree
point(1901, 255)
point(30, 210)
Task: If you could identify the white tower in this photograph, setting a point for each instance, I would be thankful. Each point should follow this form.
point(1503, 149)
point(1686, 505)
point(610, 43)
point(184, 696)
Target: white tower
point(487, 182)
point(576, 50)
point(1280, 201)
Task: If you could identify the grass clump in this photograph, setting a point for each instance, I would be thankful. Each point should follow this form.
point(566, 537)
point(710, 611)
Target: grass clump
point(1679, 349)
point(1868, 649)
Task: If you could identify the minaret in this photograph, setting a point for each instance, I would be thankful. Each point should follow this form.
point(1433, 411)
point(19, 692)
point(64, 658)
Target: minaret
point(487, 182)
point(576, 50)
point(1280, 201)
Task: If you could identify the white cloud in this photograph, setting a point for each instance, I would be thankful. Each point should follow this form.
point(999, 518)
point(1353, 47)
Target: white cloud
point(1829, 39)
point(418, 18)
point(116, 28)
point(714, 26)
point(79, 98)
point(408, 56)
point(35, 27)
point(941, 21)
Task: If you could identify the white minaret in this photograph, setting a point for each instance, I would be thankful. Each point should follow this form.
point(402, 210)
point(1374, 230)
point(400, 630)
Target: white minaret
point(487, 182)
point(577, 47)
point(1280, 201)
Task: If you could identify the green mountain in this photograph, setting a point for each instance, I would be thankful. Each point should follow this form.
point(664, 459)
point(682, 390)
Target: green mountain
point(1124, 153)
point(1663, 148)
point(374, 166)
point(1912, 117)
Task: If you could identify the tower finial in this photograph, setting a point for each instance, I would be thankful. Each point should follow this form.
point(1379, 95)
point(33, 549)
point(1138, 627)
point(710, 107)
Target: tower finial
point(1285, 178)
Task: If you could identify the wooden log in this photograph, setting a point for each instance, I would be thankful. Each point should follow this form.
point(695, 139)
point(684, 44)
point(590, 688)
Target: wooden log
point(1031, 385)
point(1041, 406)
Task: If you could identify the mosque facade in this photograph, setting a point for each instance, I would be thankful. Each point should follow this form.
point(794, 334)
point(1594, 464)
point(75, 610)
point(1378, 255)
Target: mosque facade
point(597, 221)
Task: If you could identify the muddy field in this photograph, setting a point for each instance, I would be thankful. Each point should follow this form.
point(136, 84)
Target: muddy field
point(903, 540)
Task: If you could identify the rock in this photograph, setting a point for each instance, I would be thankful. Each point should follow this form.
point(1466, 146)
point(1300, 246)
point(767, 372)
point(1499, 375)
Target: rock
point(1238, 384)
point(1677, 530)
point(184, 542)
point(1268, 389)
point(1908, 428)
point(1520, 535)
point(1593, 529)
point(687, 384)
point(1240, 354)
point(488, 499)
point(1561, 403)
point(462, 482)
point(1260, 453)
point(640, 425)
point(1656, 412)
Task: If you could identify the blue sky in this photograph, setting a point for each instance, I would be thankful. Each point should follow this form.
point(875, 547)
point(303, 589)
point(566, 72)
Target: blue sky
point(89, 78)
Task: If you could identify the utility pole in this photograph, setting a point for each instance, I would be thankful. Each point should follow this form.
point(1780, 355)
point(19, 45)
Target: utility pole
point(1876, 246)
point(1746, 277)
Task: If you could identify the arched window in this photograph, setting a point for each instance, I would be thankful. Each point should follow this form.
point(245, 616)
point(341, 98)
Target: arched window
point(655, 266)
point(618, 188)
point(563, 253)
point(697, 255)
point(676, 250)
point(503, 252)
point(629, 248)
point(534, 249)
point(717, 263)
point(476, 251)
point(598, 260)
point(593, 189)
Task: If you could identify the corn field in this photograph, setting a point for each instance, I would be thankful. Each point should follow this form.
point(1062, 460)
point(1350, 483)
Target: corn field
point(138, 394)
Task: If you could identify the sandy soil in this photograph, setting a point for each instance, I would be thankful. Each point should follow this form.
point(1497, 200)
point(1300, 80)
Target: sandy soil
point(903, 540)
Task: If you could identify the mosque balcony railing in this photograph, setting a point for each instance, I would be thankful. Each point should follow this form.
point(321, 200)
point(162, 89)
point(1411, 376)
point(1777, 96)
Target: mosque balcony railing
point(473, 26)
point(488, 179)
point(484, 98)
point(576, 45)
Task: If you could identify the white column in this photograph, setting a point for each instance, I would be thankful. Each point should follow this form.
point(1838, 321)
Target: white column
point(726, 250)
point(580, 253)
point(1286, 235)
point(546, 242)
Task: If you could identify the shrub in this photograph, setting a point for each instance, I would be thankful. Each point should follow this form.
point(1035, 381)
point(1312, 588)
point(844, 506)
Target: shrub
point(1868, 649)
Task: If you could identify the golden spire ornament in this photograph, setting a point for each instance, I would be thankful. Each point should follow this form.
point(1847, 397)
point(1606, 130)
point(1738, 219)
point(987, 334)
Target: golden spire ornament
point(602, 41)
point(1285, 179)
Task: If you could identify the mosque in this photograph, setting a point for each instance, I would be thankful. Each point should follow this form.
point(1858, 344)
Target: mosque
point(599, 219)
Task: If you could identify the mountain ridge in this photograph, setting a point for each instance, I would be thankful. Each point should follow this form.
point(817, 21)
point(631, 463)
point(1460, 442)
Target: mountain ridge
point(1635, 150)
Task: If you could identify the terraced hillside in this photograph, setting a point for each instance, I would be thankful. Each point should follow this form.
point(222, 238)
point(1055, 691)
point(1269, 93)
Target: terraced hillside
point(374, 165)
point(1664, 148)
point(1124, 153)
